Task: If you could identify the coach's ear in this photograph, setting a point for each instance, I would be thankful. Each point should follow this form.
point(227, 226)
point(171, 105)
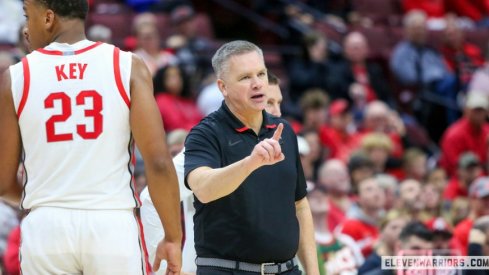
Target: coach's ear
point(222, 87)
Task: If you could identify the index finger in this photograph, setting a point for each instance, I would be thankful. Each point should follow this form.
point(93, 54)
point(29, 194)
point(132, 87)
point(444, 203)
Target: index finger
point(278, 132)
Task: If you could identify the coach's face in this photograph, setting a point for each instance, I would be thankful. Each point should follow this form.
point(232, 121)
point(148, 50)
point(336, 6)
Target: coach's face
point(39, 23)
point(244, 82)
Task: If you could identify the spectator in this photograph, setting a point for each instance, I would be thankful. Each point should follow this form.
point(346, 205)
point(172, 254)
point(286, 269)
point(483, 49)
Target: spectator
point(462, 57)
point(390, 229)
point(438, 177)
point(415, 239)
point(312, 70)
point(337, 134)
point(410, 198)
point(363, 221)
point(313, 105)
point(177, 107)
point(148, 45)
point(355, 69)
point(434, 9)
point(413, 62)
point(479, 206)
point(414, 162)
point(360, 168)
point(442, 235)
point(480, 79)
point(431, 199)
point(469, 133)
point(468, 169)
point(379, 118)
point(334, 179)
point(378, 148)
point(190, 46)
point(422, 71)
point(313, 160)
point(336, 254)
point(390, 185)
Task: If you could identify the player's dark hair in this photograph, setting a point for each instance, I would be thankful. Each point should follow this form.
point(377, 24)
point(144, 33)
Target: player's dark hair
point(67, 8)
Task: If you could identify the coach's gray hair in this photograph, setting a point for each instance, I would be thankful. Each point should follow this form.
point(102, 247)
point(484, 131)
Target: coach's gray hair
point(226, 51)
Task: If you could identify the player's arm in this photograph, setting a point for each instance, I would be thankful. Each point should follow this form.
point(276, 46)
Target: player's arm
point(211, 184)
point(147, 128)
point(307, 245)
point(10, 143)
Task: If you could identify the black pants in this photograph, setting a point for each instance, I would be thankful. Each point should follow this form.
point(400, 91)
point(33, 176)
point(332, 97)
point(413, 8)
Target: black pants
point(207, 270)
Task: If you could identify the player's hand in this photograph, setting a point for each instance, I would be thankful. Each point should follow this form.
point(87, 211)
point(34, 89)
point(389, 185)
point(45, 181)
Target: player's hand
point(269, 151)
point(172, 253)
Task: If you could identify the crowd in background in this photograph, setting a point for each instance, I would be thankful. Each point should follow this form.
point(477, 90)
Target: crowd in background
point(394, 139)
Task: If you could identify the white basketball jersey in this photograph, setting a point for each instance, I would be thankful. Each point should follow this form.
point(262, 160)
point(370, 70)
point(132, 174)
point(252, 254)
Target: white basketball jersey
point(72, 103)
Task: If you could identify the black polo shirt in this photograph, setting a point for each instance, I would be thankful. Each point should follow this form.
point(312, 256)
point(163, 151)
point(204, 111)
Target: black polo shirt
point(257, 222)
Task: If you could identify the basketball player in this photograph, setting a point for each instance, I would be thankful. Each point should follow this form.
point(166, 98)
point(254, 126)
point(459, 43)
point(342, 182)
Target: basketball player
point(73, 107)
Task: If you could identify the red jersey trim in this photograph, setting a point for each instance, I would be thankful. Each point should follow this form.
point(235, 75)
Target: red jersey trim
point(118, 78)
point(271, 126)
point(144, 251)
point(27, 84)
point(51, 52)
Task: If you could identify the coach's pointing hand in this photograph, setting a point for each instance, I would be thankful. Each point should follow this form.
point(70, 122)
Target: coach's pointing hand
point(268, 151)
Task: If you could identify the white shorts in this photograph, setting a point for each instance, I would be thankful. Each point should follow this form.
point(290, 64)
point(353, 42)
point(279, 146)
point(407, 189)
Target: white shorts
point(73, 241)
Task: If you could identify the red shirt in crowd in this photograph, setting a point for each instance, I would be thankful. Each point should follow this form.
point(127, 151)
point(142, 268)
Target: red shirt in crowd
point(340, 144)
point(461, 235)
point(335, 216)
point(177, 112)
point(454, 189)
point(364, 234)
point(467, 60)
point(433, 8)
point(361, 76)
point(473, 9)
point(459, 138)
